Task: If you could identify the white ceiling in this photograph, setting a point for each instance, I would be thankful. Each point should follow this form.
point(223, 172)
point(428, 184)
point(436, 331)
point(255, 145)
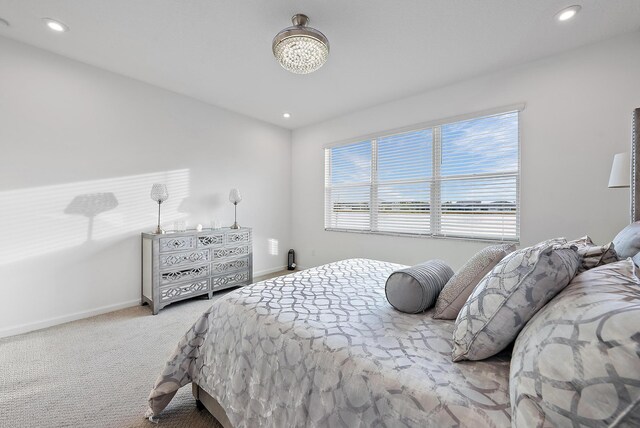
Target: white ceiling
point(219, 51)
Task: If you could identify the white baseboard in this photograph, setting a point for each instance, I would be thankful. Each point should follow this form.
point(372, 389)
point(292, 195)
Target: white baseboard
point(50, 322)
point(268, 271)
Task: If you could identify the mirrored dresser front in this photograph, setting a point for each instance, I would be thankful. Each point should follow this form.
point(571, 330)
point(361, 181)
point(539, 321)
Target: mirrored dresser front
point(181, 265)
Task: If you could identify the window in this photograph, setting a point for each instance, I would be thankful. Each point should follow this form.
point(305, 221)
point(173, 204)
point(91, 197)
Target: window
point(458, 179)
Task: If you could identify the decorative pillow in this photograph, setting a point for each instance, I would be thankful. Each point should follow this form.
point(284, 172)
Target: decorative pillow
point(576, 363)
point(627, 242)
point(593, 255)
point(505, 299)
point(456, 292)
point(415, 289)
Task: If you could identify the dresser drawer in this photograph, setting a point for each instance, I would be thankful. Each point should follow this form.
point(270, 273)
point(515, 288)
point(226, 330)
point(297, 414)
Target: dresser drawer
point(183, 291)
point(224, 281)
point(211, 240)
point(172, 260)
point(230, 266)
point(221, 253)
point(178, 243)
point(186, 274)
point(238, 237)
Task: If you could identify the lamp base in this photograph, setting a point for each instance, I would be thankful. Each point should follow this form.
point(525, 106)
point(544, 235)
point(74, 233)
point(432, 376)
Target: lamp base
point(235, 225)
point(159, 231)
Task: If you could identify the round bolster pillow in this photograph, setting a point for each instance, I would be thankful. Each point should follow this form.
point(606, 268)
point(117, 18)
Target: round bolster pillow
point(415, 289)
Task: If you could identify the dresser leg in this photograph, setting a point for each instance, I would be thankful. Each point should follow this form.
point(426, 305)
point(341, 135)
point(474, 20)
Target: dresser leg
point(210, 295)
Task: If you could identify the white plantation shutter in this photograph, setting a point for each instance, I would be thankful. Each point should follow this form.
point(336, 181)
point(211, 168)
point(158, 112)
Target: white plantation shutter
point(457, 179)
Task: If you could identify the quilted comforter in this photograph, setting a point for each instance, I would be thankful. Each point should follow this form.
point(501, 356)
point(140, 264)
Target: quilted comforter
point(323, 348)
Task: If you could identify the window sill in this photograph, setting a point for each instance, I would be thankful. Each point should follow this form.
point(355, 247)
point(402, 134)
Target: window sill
point(418, 235)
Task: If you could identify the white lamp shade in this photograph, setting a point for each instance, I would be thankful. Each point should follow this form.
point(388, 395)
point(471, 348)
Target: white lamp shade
point(234, 196)
point(620, 171)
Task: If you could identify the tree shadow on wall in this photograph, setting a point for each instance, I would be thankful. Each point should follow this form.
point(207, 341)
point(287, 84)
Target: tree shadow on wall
point(91, 205)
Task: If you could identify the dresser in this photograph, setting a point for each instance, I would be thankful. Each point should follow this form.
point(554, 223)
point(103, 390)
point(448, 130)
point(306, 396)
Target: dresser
point(181, 265)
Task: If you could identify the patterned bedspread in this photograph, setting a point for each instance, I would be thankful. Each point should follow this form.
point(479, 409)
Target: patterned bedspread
point(323, 348)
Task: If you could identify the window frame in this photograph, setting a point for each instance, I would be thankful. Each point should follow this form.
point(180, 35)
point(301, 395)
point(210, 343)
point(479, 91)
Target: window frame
point(435, 180)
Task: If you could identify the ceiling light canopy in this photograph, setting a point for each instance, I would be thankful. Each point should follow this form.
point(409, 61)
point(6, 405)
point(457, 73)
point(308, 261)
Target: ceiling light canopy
point(56, 26)
point(568, 13)
point(300, 49)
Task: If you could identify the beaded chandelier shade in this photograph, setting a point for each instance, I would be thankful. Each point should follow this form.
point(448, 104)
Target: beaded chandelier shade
point(300, 49)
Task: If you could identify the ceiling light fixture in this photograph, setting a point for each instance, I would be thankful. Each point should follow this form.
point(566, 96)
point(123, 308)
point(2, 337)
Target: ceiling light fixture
point(300, 49)
point(286, 115)
point(56, 26)
point(568, 13)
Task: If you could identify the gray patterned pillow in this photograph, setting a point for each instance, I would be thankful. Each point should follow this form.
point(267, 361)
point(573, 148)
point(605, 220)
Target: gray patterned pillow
point(577, 362)
point(416, 288)
point(456, 292)
point(593, 255)
point(505, 299)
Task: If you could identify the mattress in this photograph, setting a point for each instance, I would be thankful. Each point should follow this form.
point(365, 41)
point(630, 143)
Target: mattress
point(322, 348)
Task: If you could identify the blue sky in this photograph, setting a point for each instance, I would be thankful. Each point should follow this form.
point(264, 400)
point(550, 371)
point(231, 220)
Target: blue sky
point(477, 146)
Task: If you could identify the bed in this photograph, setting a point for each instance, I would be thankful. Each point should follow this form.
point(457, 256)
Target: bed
point(322, 347)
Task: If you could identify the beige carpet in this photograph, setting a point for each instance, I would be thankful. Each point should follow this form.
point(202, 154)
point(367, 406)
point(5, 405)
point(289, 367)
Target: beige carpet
point(97, 372)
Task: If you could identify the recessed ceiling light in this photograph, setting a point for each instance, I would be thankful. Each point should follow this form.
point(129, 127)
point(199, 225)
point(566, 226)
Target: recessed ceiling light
point(286, 115)
point(56, 26)
point(568, 13)
point(4, 23)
